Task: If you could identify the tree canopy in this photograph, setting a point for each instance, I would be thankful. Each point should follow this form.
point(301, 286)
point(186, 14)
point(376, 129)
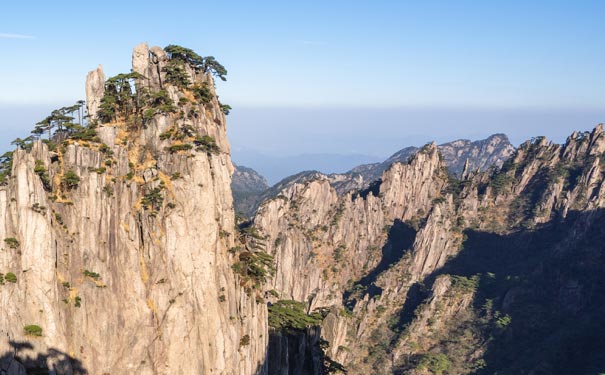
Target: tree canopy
point(205, 64)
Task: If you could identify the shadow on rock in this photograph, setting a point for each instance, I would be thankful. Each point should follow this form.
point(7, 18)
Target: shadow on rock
point(22, 360)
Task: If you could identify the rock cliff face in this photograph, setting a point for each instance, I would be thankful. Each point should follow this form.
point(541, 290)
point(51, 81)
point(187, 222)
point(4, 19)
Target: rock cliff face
point(425, 273)
point(119, 241)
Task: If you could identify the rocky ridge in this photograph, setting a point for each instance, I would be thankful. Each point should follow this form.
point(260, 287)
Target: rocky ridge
point(474, 155)
point(388, 262)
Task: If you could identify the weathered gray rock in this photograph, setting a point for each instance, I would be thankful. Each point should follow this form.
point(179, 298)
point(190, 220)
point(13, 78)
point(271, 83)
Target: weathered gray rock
point(95, 88)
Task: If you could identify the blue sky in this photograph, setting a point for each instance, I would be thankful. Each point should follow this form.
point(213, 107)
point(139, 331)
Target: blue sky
point(463, 63)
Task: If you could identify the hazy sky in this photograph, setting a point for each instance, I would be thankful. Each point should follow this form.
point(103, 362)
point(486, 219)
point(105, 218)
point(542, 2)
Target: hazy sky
point(330, 76)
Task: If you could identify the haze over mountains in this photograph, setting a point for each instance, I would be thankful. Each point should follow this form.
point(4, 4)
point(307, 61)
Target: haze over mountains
point(250, 188)
point(276, 168)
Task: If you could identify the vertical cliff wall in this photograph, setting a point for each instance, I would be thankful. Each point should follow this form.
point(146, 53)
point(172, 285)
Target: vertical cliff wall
point(125, 267)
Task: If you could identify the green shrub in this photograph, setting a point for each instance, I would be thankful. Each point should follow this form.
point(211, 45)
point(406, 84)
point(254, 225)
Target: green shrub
point(153, 200)
point(202, 93)
point(71, 180)
point(345, 312)
point(179, 147)
point(245, 340)
point(207, 144)
point(6, 166)
point(10, 277)
point(166, 135)
point(291, 315)
point(226, 108)
point(503, 321)
point(12, 242)
point(32, 330)
point(105, 149)
point(255, 266)
point(92, 275)
point(465, 284)
point(435, 363)
point(500, 182)
point(41, 171)
point(176, 73)
point(84, 134)
point(108, 190)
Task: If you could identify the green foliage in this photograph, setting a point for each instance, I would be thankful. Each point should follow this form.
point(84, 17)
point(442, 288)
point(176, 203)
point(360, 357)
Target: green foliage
point(6, 166)
point(71, 180)
point(503, 321)
point(211, 65)
point(183, 54)
point(345, 312)
point(108, 190)
point(167, 134)
point(435, 363)
point(255, 266)
point(338, 252)
point(202, 93)
point(32, 330)
point(207, 144)
point(41, 171)
point(205, 64)
point(465, 284)
point(226, 108)
point(10, 277)
point(119, 97)
point(291, 315)
point(83, 133)
point(160, 101)
point(176, 73)
point(500, 181)
point(337, 215)
point(245, 340)
point(12, 242)
point(105, 149)
point(179, 147)
point(78, 301)
point(153, 199)
point(92, 275)
point(438, 200)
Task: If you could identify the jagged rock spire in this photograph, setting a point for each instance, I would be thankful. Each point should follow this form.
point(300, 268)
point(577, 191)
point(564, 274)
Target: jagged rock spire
point(149, 63)
point(95, 88)
point(465, 170)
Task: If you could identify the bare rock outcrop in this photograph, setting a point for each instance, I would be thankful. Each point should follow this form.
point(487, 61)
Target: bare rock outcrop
point(95, 88)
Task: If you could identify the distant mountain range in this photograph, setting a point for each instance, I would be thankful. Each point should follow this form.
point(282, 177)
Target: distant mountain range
point(250, 188)
point(276, 168)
